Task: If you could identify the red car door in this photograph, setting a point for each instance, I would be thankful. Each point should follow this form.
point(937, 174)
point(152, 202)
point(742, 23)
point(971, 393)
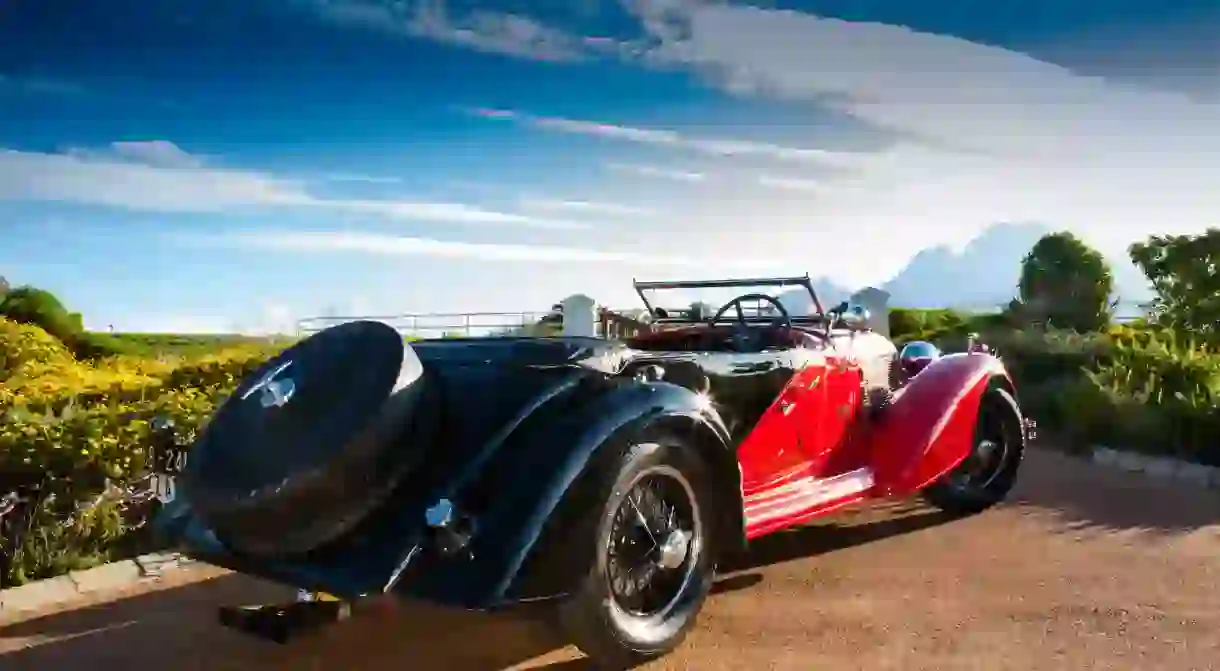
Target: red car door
point(782, 445)
point(840, 448)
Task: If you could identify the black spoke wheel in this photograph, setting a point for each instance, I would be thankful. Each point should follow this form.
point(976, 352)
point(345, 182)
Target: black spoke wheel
point(989, 472)
point(655, 537)
point(645, 553)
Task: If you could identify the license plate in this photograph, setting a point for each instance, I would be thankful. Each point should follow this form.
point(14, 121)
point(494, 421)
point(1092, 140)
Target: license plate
point(168, 463)
point(170, 460)
point(165, 487)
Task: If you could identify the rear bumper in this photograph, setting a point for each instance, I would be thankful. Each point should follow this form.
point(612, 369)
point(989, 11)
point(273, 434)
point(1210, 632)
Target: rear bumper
point(348, 573)
point(402, 560)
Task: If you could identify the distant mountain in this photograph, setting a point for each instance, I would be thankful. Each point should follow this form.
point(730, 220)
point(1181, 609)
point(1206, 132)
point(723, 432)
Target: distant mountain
point(982, 276)
point(797, 301)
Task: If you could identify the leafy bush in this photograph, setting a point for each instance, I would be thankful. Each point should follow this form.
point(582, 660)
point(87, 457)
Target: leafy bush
point(37, 307)
point(166, 344)
point(24, 345)
point(1182, 271)
point(1149, 390)
point(949, 329)
point(79, 424)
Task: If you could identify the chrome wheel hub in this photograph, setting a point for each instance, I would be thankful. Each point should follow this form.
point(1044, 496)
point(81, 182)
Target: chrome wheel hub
point(986, 450)
point(672, 551)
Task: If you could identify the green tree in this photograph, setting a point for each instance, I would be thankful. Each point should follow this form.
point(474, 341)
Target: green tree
point(1183, 272)
point(30, 305)
point(1065, 283)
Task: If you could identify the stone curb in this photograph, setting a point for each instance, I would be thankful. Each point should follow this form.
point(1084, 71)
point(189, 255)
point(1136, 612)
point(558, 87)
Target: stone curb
point(107, 577)
point(1160, 468)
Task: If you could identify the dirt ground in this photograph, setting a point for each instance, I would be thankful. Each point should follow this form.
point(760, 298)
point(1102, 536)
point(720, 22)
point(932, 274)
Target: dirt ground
point(1084, 569)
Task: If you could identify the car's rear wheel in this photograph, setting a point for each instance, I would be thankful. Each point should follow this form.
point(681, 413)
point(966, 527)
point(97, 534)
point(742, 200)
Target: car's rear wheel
point(647, 555)
point(989, 472)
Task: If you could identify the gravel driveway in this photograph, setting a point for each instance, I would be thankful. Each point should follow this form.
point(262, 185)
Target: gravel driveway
point(1084, 569)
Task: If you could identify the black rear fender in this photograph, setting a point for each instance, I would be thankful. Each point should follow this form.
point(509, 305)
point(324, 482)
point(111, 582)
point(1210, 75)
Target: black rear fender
point(547, 569)
point(675, 411)
point(536, 489)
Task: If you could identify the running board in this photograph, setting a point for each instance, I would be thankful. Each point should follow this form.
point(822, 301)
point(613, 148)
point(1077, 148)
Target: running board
point(280, 623)
point(797, 500)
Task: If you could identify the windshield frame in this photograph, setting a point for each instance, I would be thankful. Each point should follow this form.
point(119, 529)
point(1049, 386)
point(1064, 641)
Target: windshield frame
point(816, 316)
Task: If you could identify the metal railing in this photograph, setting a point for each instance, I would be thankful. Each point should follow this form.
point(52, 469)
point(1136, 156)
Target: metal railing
point(610, 324)
point(438, 325)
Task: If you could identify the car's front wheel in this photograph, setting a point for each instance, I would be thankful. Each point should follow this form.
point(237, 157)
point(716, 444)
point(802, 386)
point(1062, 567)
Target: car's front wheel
point(989, 472)
point(647, 555)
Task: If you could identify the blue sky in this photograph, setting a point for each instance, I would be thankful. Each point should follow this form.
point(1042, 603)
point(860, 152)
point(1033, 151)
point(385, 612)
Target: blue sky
point(230, 165)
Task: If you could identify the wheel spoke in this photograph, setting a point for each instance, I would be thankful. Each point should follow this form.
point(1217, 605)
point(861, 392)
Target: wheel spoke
point(647, 565)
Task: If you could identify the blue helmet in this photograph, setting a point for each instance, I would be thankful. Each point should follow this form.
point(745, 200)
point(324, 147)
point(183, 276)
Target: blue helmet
point(919, 349)
point(916, 356)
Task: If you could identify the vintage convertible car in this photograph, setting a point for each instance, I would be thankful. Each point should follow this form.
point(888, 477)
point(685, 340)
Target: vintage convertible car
point(608, 479)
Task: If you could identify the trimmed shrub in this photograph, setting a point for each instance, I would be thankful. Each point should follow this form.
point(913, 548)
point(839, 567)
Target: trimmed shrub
point(24, 345)
point(38, 307)
point(75, 425)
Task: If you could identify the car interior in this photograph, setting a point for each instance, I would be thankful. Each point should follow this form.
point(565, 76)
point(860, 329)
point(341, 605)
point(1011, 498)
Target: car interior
point(730, 330)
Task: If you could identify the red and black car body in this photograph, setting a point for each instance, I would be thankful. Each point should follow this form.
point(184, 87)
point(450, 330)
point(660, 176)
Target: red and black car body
point(477, 490)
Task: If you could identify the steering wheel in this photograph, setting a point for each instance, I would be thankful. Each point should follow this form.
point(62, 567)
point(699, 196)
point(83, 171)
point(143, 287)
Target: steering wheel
point(745, 340)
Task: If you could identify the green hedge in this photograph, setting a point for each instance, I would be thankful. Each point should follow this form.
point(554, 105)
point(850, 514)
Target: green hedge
point(1133, 387)
point(79, 423)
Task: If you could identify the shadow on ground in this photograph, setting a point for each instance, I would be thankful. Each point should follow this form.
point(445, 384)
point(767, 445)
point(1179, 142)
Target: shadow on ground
point(176, 629)
point(1085, 495)
point(885, 521)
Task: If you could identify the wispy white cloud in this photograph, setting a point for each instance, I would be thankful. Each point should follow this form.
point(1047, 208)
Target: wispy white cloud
point(40, 85)
point(721, 147)
point(389, 245)
point(1046, 144)
point(990, 134)
point(358, 177)
point(788, 183)
point(641, 170)
point(450, 212)
point(152, 153)
point(96, 180)
point(583, 207)
point(480, 30)
point(157, 176)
